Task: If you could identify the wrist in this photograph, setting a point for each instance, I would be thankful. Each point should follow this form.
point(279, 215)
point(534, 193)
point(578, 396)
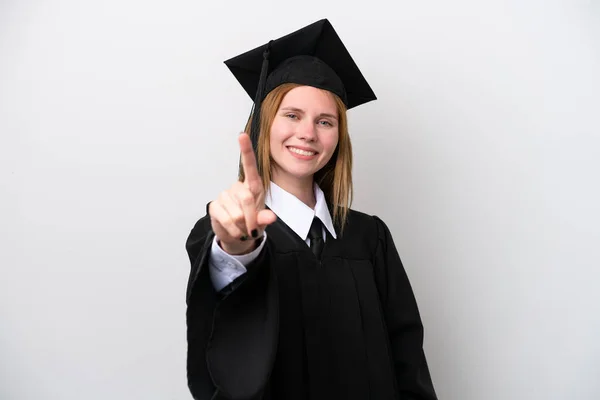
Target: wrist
point(242, 249)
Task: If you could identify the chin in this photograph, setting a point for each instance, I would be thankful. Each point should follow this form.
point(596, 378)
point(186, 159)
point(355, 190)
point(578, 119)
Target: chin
point(297, 174)
point(301, 175)
point(295, 170)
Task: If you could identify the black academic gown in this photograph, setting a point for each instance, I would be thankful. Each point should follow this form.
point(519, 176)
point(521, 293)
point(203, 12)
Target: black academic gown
point(293, 327)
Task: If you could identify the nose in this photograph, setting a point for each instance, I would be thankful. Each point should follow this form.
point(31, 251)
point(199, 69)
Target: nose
point(307, 130)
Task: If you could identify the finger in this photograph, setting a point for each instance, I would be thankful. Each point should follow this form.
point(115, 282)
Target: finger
point(233, 208)
point(265, 217)
point(246, 200)
point(251, 176)
point(224, 227)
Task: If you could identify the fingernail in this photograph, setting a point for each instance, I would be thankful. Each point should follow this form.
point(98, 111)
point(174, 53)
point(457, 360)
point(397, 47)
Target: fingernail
point(254, 233)
point(244, 238)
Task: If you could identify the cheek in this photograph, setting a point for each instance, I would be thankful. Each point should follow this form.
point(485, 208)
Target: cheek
point(278, 133)
point(330, 142)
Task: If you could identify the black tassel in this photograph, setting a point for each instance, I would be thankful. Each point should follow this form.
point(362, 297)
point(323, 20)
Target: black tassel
point(260, 92)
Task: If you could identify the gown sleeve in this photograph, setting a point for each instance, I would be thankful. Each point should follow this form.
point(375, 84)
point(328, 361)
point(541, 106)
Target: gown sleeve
point(403, 321)
point(231, 334)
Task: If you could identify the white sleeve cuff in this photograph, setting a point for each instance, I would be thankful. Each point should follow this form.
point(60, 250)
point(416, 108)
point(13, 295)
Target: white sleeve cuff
point(224, 268)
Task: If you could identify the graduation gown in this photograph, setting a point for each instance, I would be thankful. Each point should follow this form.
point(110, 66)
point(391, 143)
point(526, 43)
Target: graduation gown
point(293, 327)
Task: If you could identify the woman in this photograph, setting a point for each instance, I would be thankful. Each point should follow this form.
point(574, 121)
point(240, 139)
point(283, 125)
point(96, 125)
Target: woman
point(292, 294)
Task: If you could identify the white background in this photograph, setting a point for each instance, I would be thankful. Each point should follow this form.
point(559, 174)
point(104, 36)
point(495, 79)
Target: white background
point(118, 123)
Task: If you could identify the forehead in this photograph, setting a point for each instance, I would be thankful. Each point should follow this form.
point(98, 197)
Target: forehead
point(310, 98)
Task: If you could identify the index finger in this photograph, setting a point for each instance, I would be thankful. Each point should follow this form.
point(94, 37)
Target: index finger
point(251, 176)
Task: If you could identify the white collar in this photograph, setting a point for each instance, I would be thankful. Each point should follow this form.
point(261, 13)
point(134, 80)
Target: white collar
point(297, 215)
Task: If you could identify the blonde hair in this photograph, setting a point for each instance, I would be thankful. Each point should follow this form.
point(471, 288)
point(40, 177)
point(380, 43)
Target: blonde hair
point(335, 178)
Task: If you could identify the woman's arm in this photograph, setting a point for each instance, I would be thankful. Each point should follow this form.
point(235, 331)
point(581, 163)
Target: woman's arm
point(403, 320)
point(232, 333)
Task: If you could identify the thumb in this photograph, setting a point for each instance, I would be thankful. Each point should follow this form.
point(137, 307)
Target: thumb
point(265, 217)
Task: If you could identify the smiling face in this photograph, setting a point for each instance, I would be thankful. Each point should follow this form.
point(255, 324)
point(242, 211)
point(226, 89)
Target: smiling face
point(304, 134)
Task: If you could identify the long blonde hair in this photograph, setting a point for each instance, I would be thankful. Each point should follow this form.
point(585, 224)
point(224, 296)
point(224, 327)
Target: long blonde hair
point(335, 178)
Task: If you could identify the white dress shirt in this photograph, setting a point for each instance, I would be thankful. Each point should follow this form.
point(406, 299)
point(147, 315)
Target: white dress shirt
point(225, 268)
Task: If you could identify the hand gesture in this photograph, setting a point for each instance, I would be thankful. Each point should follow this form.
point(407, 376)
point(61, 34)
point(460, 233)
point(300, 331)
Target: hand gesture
point(238, 215)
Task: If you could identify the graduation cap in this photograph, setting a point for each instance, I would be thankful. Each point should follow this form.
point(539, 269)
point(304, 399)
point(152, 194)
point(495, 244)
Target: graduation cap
point(313, 56)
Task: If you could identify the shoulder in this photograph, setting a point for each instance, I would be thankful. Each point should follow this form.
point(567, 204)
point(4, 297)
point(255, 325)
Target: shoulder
point(197, 236)
point(366, 221)
point(202, 226)
point(367, 228)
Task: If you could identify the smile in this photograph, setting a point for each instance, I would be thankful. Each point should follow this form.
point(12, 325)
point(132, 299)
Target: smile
point(301, 152)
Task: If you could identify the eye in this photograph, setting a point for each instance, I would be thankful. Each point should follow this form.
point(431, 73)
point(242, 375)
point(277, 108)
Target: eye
point(291, 116)
point(326, 123)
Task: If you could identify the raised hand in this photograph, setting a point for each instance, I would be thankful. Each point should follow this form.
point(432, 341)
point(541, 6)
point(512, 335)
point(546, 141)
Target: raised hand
point(238, 215)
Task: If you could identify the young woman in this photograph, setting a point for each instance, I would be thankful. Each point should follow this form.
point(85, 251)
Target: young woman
point(292, 294)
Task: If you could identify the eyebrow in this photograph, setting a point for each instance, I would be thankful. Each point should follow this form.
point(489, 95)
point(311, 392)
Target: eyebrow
point(302, 111)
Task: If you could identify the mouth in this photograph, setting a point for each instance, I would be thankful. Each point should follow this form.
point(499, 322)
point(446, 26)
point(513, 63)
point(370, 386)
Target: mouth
point(302, 152)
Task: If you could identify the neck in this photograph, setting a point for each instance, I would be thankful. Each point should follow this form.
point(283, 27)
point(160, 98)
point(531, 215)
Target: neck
point(303, 189)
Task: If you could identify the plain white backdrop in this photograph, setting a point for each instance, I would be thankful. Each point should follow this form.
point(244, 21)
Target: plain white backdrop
point(118, 123)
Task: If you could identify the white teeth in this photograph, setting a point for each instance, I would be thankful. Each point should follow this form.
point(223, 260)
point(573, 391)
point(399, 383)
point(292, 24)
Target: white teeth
point(302, 152)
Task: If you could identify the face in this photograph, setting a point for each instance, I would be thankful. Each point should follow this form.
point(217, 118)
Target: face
point(304, 133)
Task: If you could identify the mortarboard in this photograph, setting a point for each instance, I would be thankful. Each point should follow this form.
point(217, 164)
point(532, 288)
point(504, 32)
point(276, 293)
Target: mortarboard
point(313, 56)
